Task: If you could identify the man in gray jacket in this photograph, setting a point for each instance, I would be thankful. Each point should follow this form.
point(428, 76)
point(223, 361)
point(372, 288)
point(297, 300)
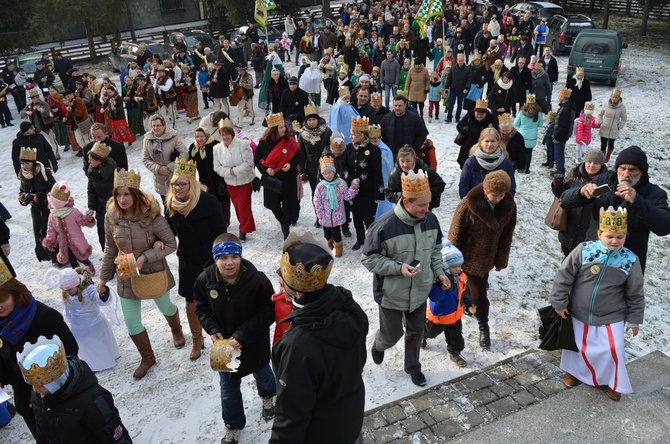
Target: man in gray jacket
point(402, 249)
point(541, 87)
point(459, 79)
point(389, 76)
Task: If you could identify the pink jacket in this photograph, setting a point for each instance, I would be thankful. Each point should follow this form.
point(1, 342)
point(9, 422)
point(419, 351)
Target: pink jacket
point(66, 231)
point(583, 130)
point(327, 217)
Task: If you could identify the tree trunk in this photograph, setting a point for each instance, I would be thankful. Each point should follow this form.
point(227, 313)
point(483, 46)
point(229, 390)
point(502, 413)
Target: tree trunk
point(592, 5)
point(606, 14)
point(325, 9)
point(131, 24)
point(645, 17)
point(89, 37)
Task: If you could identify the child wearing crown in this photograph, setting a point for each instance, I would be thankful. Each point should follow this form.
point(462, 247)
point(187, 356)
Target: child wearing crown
point(527, 122)
point(329, 197)
point(583, 125)
point(600, 286)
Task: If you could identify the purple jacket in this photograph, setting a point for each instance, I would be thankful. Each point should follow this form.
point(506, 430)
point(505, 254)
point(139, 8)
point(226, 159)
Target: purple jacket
point(327, 217)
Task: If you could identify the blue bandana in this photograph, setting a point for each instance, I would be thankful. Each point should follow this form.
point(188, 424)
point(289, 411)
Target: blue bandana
point(224, 248)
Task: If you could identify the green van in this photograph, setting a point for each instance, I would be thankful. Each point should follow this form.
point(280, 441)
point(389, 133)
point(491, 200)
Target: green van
point(599, 52)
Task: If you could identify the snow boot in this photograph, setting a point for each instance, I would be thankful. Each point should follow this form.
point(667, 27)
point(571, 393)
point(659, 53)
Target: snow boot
point(196, 331)
point(338, 249)
point(177, 334)
point(484, 333)
point(143, 345)
point(331, 244)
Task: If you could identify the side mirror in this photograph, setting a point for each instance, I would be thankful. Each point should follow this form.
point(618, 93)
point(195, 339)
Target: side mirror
point(624, 45)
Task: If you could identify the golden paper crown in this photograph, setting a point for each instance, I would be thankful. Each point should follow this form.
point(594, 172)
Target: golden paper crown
point(337, 142)
point(275, 119)
point(126, 265)
point(327, 162)
point(376, 98)
point(60, 191)
point(402, 93)
point(579, 70)
point(182, 168)
point(130, 179)
point(616, 92)
point(360, 124)
point(298, 276)
point(358, 67)
point(565, 92)
point(311, 110)
point(375, 132)
point(164, 67)
point(551, 115)
point(481, 104)
point(343, 91)
point(407, 62)
point(504, 118)
point(28, 153)
point(42, 362)
point(225, 123)
point(589, 106)
point(5, 273)
point(613, 221)
point(100, 149)
point(415, 185)
point(530, 98)
point(224, 357)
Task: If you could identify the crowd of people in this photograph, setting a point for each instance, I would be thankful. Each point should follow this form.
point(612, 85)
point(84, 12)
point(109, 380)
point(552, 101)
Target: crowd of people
point(369, 164)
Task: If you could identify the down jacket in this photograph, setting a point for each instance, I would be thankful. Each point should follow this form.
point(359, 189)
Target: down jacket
point(237, 157)
point(613, 119)
point(583, 128)
point(152, 158)
point(66, 232)
point(137, 235)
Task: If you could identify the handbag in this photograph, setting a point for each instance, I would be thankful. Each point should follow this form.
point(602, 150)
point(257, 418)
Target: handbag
point(557, 216)
point(150, 286)
point(556, 333)
point(460, 138)
point(271, 183)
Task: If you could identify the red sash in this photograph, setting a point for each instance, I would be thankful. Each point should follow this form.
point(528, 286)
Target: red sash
point(281, 154)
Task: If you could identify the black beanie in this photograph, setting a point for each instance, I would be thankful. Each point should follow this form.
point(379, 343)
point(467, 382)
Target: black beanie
point(635, 156)
point(25, 126)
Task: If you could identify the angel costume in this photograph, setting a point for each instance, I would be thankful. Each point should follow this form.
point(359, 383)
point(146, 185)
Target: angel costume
point(310, 82)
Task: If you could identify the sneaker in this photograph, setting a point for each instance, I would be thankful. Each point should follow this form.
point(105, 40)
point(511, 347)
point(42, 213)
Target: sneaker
point(458, 359)
point(377, 356)
point(268, 412)
point(418, 379)
point(232, 436)
point(346, 232)
point(570, 381)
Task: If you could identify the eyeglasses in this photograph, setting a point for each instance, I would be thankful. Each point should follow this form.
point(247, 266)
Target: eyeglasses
point(180, 185)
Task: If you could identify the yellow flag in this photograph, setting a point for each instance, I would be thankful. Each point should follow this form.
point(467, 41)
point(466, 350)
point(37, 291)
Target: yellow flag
point(261, 13)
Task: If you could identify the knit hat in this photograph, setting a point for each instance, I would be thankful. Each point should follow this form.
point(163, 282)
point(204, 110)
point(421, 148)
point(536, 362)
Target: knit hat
point(25, 126)
point(595, 155)
point(66, 278)
point(635, 156)
point(451, 256)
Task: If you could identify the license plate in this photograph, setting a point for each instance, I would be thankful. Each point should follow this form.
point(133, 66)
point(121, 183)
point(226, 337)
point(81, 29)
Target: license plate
point(598, 61)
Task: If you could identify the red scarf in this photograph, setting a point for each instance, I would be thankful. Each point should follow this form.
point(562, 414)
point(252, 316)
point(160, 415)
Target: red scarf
point(281, 154)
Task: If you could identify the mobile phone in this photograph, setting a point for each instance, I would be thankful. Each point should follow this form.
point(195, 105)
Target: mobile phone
point(601, 189)
point(416, 266)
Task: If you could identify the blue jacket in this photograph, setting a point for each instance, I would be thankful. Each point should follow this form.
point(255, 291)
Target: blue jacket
point(528, 128)
point(473, 175)
point(202, 78)
point(434, 92)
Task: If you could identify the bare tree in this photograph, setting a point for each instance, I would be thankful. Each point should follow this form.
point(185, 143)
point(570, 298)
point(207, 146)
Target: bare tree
point(645, 16)
point(606, 14)
point(325, 9)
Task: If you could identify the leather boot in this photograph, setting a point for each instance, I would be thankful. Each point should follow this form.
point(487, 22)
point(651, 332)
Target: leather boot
point(285, 230)
point(143, 345)
point(175, 325)
point(331, 244)
point(338, 249)
point(608, 154)
point(196, 331)
point(484, 333)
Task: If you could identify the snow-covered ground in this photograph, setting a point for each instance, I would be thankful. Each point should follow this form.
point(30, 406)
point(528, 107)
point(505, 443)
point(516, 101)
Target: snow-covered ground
point(178, 401)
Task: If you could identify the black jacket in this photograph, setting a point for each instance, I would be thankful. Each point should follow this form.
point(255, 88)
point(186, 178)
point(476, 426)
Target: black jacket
point(319, 364)
point(293, 104)
point(118, 153)
point(45, 153)
point(581, 95)
point(100, 185)
point(393, 189)
point(406, 129)
point(522, 79)
point(472, 128)
point(648, 213)
point(219, 83)
point(206, 174)
point(365, 163)
point(274, 100)
point(564, 121)
point(80, 412)
point(351, 56)
point(311, 144)
point(551, 68)
point(243, 311)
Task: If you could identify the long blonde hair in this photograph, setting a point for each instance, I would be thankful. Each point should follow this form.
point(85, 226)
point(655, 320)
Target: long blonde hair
point(194, 190)
point(496, 134)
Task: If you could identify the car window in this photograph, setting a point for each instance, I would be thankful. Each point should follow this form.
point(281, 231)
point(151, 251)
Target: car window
point(576, 27)
point(596, 45)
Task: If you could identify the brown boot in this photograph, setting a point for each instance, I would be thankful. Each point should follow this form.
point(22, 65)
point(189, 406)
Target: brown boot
point(331, 244)
point(143, 345)
point(196, 331)
point(338, 249)
point(175, 325)
point(608, 154)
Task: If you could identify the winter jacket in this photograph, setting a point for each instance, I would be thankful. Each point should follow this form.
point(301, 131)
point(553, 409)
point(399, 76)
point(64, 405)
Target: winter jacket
point(525, 124)
point(417, 84)
point(172, 148)
point(406, 129)
point(435, 91)
point(459, 78)
point(551, 68)
point(42, 120)
point(319, 364)
point(648, 213)
point(237, 157)
point(483, 234)
point(444, 306)
point(579, 96)
point(393, 189)
point(364, 162)
point(206, 174)
point(219, 83)
point(80, 412)
point(600, 286)
point(564, 121)
point(289, 178)
point(65, 232)
point(472, 128)
point(196, 233)
point(473, 174)
point(332, 217)
point(137, 235)
point(579, 218)
point(118, 153)
point(499, 97)
point(516, 149)
point(100, 185)
point(522, 80)
point(293, 104)
point(398, 238)
point(583, 133)
point(541, 87)
point(613, 119)
point(45, 153)
point(311, 144)
point(243, 311)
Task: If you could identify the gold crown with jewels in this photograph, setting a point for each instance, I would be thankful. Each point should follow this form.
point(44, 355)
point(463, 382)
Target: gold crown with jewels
point(182, 168)
point(28, 153)
point(311, 110)
point(530, 98)
point(360, 124)
point(612, 221)
point(298, 276)
point(5, 272)
point(45, 360)
point(275, 119)
point(100, 149)
point(130, 179)
point(327, 162)
point(415, 185)
point(375, 132)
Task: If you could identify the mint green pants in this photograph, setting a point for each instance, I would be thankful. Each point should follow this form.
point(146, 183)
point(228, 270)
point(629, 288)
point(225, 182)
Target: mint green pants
point(132, 311)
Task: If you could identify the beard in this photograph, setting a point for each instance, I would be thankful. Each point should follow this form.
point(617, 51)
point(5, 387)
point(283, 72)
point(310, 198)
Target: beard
point(629, 180)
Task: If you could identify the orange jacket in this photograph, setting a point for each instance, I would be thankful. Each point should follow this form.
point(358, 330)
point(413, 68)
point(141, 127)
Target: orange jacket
point(451, 318)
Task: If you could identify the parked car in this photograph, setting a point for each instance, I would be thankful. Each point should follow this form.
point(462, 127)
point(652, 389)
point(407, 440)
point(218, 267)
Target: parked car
point(537, 9)
point(28, 62)
point(564, 29)
point(599, 52)
point(193, 37)
point(126, 51)
point(498, 5)
point(317, 22)
point(273, 32)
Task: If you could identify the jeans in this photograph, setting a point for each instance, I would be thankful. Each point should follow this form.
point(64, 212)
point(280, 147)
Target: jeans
point(388, 88)
point(559, 157)
point(297, 54)
point(232, 409)
point(453, 97)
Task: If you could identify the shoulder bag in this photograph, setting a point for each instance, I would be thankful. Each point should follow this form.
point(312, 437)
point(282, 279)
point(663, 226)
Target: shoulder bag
point(557, 216)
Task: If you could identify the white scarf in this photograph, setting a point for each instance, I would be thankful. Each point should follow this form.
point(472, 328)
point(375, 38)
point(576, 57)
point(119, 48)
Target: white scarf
point(578, 83)
point(504, 85)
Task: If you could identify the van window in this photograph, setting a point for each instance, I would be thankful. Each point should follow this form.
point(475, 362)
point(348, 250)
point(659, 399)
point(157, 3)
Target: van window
point(596, 45)
point(576, 27)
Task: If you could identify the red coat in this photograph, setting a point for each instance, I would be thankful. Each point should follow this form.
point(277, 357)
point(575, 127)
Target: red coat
point(283, 308)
